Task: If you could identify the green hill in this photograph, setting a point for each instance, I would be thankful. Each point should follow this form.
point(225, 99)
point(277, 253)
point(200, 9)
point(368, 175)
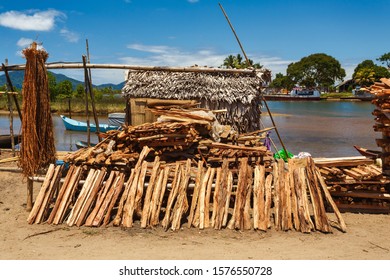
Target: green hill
point(17, 78)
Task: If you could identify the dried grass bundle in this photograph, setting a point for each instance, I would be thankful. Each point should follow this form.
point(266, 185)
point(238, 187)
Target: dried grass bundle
point(37, 148)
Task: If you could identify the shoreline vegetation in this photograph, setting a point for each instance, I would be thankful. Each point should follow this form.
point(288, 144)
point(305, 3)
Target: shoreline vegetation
point(111, 105)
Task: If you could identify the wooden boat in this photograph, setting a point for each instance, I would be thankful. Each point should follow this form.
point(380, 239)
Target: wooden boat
point(5, 140)
point(71, 124)
point(116, 119)
point(368, 153)
point(83, 144)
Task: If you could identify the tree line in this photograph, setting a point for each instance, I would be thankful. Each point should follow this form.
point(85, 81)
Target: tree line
point(320, 71)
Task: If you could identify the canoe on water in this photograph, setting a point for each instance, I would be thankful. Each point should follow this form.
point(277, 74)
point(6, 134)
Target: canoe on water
point(5, 140)
point(71, 124)
point(83, 144)
point(368, 153)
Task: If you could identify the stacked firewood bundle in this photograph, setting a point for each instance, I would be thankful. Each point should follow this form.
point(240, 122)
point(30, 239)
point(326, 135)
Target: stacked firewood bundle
point(189, 193)
point(381, 91)
point(177, 134)
point(357, 185)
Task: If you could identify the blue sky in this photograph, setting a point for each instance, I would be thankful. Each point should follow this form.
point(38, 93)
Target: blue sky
point(187, 32)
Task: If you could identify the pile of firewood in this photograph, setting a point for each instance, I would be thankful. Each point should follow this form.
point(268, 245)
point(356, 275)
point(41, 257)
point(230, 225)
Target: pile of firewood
point(356, 185)
point(158, 193)
point(381, 91)
point(178, 134)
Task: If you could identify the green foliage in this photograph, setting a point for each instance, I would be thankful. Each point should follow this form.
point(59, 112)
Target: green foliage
point(385, 59)
point(238, 62)
point(79, 92)
point(367, 72)
point(316, 70)
point(281, 82)
point(52, 85)
point(64, 89)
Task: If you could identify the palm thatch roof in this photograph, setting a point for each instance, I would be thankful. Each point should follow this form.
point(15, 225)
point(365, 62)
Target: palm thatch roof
point(197, 83)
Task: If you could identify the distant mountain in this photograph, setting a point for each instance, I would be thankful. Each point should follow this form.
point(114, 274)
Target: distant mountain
point(17, 78)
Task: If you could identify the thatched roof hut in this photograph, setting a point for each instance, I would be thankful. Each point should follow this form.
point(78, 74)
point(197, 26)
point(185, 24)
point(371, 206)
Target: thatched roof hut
point(238, 91)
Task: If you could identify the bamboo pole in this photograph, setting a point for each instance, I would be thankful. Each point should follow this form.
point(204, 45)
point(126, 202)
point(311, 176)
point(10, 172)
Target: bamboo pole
point(11, 88)
point(89, 89)
point(249, 64)
point(67, 65)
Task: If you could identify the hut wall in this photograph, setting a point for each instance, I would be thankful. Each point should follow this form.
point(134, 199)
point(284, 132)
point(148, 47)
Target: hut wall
point(139, 114)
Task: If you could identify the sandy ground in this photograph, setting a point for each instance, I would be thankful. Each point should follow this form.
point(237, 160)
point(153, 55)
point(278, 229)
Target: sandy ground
point(367, 237)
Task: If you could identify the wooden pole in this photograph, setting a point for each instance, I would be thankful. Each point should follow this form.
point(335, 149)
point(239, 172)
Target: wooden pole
point(11, 88)
point(30, 184)
point(249, 64)
point(92, 95)
point(86, 85)
point(11, 118)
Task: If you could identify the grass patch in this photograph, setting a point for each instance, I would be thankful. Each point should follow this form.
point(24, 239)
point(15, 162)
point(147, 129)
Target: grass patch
point(337, 95)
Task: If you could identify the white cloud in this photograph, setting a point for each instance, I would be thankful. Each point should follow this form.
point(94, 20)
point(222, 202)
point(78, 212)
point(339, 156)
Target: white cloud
point(151, 48)
point(35, 21)
point(24, 42)
point(69, 35)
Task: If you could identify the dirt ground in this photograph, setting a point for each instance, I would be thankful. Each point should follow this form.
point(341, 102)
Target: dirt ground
point(367, 237)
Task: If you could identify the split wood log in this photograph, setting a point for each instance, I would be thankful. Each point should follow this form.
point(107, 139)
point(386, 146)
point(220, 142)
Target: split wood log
point(329, 199)
point(247, 207)
point(320, 218)
point(207, 199)
point(229, 191)
point(195, 194)
point(216, 201)
point(172, 196)
point(61, 194)
point(181, 205)
point(154, 212)
point(91, 197)
point(101, 197)
point(145, 218)
point(117, 191)
point(64, 199)
point(75, 212)
point(293, 190)
point(41, 195)
point(266, 224)
point(306, 224)
point(202, 195)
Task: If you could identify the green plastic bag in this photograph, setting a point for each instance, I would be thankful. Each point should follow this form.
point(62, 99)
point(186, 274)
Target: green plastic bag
point(281, 154)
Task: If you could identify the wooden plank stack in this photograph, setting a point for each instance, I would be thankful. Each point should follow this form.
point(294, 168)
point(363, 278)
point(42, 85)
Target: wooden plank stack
point(356, 186)
point(381, 91)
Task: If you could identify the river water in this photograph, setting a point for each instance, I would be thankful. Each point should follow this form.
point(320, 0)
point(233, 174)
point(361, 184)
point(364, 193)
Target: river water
point(321, 128)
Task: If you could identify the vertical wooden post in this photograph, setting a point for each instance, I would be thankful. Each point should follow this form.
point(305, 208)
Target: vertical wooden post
point(11, 88)
point(69, 107)
point(91, 94)
point(30, 184)
point(11, 117)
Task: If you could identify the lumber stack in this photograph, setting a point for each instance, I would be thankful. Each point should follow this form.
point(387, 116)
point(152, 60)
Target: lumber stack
point(356, 185)
point(178, 134)
point(381, 91)
point(242, 196)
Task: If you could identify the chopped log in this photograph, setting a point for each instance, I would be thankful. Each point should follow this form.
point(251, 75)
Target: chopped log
point(172, 196)
point(320, 218)
point(181, 205)
point(215, 217)
point(207, 199)
point(293, 191)
point(104, 209)
point(329, 199)
point(145, 218)
point(96, 185)
point(268, 199)
point(41, 195)
point(154, 213)
point(101, 197)
point(195, 194)
point(306, 224)
point(202, 196)
point(64, 199)
point(247, 207)
point(117, 191)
